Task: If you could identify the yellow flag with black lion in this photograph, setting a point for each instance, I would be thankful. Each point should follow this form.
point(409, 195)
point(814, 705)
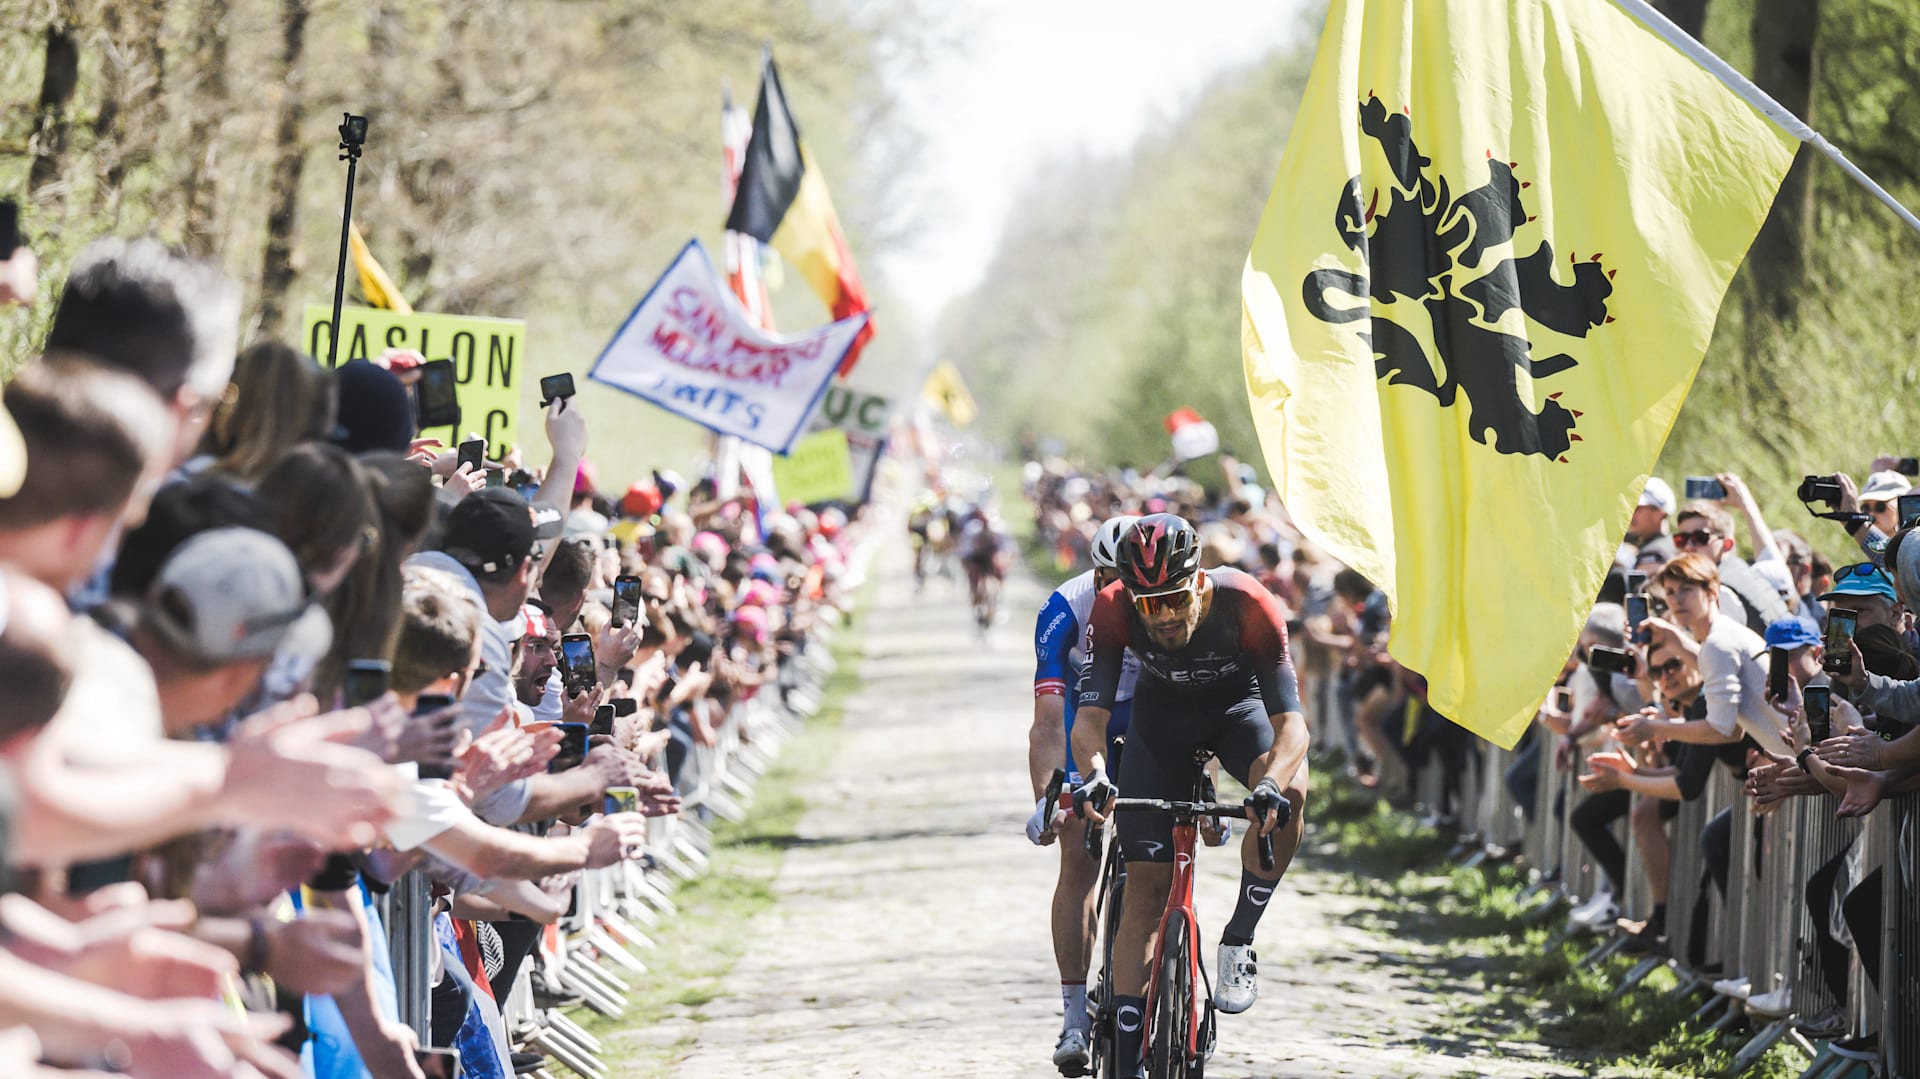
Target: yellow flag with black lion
point(1491, 263)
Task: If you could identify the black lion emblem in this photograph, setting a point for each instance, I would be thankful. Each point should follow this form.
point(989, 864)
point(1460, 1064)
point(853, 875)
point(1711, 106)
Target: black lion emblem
point(1420, 246)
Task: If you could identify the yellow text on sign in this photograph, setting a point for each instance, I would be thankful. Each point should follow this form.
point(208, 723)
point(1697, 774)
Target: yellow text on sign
point(489, 359)
point(818, 470)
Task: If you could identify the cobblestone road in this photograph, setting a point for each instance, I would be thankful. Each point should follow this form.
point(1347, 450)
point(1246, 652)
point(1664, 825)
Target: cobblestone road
point(910, 933)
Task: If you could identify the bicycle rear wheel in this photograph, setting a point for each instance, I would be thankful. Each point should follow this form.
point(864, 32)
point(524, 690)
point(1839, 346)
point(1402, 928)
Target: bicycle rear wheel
point(1173, 1008)
point(1101, 994)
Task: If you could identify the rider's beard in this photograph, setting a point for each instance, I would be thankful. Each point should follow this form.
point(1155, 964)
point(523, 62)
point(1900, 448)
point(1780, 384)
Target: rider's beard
point(1175, 633)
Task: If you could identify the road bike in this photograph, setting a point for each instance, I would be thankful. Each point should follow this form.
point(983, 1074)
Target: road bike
point(1179, 1003)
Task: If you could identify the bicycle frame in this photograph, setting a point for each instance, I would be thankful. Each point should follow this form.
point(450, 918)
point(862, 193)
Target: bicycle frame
point(1180, 907)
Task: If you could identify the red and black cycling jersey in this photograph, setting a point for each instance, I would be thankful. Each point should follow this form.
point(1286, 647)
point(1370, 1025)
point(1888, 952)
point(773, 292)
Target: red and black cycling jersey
point(1238, 650)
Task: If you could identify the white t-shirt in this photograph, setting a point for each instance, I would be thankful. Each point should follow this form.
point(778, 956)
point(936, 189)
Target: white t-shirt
point(1733, 677)
point(431, 808)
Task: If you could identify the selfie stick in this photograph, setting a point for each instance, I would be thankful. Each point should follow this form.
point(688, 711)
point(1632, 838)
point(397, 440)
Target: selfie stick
point(353, 136)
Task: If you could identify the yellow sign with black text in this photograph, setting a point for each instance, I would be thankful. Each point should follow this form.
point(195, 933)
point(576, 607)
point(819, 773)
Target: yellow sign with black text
point(489, 359)
point(818, 470)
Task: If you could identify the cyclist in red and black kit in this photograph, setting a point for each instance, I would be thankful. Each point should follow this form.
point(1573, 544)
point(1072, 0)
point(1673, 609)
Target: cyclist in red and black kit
point(1214, 672)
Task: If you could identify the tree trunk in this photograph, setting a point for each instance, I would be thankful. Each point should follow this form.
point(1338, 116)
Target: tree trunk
point(202, 187)
point(131, 102)
point(50, 125)
point(289, 161)
point(1688, 15)
point(1784, 61)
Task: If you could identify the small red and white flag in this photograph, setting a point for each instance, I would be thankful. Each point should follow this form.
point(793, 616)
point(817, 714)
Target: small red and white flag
point(1192, 436)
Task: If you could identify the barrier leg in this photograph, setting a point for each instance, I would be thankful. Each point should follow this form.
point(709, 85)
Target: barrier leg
point(1757, 1047)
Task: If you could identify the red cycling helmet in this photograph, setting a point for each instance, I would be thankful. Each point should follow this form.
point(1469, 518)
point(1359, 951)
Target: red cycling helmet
point(1158, 554)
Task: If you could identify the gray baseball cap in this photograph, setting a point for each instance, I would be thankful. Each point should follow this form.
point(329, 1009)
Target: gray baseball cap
point(233, 594)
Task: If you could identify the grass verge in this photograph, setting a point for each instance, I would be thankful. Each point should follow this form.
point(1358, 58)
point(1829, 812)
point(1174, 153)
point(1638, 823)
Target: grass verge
point(1519, 994)
point(699, 947)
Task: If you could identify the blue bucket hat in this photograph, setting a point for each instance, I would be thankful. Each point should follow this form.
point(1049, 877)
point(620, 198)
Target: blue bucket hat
point(1861, 579)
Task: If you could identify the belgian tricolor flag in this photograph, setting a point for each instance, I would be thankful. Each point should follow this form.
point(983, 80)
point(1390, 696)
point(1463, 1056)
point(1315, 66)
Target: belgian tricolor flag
point(782, 200)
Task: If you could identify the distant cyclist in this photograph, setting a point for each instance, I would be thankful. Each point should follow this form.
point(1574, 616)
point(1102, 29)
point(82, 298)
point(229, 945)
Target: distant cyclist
point(985, 552)
point(1214, 672)
point(1058, 665)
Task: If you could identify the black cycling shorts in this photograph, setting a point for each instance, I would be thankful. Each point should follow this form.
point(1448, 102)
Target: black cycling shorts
point(1166, 728)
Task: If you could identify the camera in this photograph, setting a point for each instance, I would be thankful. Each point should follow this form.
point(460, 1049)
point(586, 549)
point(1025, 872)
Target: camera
point(1819, 489)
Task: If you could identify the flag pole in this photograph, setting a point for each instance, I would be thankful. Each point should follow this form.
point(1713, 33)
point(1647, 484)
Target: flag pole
point(1758, 98)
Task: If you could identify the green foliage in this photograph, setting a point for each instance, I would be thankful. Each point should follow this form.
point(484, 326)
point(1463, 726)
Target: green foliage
point(540, 159)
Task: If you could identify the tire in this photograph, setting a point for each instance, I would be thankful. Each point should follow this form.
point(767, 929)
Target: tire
point(1104, 1064)
point(1173, 1009)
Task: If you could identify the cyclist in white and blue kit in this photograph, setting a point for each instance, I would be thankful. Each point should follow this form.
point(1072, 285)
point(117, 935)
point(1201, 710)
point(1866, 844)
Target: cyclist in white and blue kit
point(1058, 665)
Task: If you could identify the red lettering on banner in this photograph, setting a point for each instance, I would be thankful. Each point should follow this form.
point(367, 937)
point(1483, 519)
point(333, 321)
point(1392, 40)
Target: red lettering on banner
point(698, 335)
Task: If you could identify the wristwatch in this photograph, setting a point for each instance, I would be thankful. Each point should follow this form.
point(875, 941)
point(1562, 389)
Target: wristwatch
point(1800, 758)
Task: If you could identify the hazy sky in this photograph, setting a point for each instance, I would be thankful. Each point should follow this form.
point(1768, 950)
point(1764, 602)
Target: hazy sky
point(1032, 77)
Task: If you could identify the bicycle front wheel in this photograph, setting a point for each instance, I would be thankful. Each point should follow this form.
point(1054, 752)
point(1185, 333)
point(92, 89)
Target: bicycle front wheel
point(1173, 1008)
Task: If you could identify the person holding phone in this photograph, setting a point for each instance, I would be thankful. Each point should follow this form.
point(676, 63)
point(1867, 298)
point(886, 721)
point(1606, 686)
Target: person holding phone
point(1731, 658)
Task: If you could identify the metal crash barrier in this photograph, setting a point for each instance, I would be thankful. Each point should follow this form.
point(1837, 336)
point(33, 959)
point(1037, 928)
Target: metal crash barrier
point(1801, 885)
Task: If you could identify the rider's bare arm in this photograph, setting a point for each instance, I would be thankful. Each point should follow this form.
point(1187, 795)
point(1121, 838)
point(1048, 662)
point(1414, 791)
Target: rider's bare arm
point(1105, 645)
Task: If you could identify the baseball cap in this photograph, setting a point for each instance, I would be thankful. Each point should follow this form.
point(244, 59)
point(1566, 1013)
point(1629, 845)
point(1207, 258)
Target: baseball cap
point(1790, 633)
point(1862, 579)
point(494, 530)
point(233, 594)
point(1884, 485)
point(641, 500)
point(1777, 574)
point(1658, 495)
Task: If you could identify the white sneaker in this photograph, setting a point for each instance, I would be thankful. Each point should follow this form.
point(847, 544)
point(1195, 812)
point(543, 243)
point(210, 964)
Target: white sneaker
point(1072, 1056)
point(1238, 986)
point(1775, 1005)
point(1595, 915)
point(1737, 988)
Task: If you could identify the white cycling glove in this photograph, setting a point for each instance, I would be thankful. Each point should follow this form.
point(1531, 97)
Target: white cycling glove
point(1044, 814)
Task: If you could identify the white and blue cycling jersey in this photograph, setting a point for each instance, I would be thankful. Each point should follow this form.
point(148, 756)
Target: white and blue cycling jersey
point(1059, 661)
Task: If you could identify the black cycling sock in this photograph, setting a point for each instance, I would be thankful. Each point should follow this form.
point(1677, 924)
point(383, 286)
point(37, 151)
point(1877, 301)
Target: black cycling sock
point(1254, 894)
point(1129, 1030)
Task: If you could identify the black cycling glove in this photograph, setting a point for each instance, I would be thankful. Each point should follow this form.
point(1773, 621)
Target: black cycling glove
point(1097, 791)
point(1266, 796)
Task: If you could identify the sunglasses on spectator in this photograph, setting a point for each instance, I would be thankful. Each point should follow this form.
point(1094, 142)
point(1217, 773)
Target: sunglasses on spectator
point(1698, 537)
point(1858, 569)
point(1175, 601)
point(1670, 667)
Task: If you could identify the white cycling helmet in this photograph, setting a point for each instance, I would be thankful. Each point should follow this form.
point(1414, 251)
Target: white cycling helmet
point(1106, 542)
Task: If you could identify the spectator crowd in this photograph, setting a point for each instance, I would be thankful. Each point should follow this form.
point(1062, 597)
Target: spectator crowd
point(1719, 645)
point(268, 652)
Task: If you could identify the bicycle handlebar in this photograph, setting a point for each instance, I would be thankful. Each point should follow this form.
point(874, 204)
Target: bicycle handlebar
point(1209, 809)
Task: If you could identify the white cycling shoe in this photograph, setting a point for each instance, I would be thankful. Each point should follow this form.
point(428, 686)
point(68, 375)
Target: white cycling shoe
point(1238, 986)
point(1073, 1056)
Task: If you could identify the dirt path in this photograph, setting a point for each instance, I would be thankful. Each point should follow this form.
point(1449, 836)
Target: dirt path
point(909, 936)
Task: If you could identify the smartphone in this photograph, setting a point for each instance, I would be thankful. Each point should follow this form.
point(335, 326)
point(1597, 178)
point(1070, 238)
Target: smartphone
point(1907, 466)
point(9, 228)
point(1908, 509)
point(1562, 699)
point(576, 662)
point(1637, 629)
point(624, 799)
point(496, 477)
point(366, 680)
point(1636, 583)
point(1819, 701)
point(1840, 626)
point(438, 1063)
point(1777, 676)
point(626, 600)
point(624, 706)
point(602, 721)
point(1705, 487)
point(436, 396)
point(474, 452)
point(425, 705)
point(1614, 660)
point(554, 387)
point(573, 747)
